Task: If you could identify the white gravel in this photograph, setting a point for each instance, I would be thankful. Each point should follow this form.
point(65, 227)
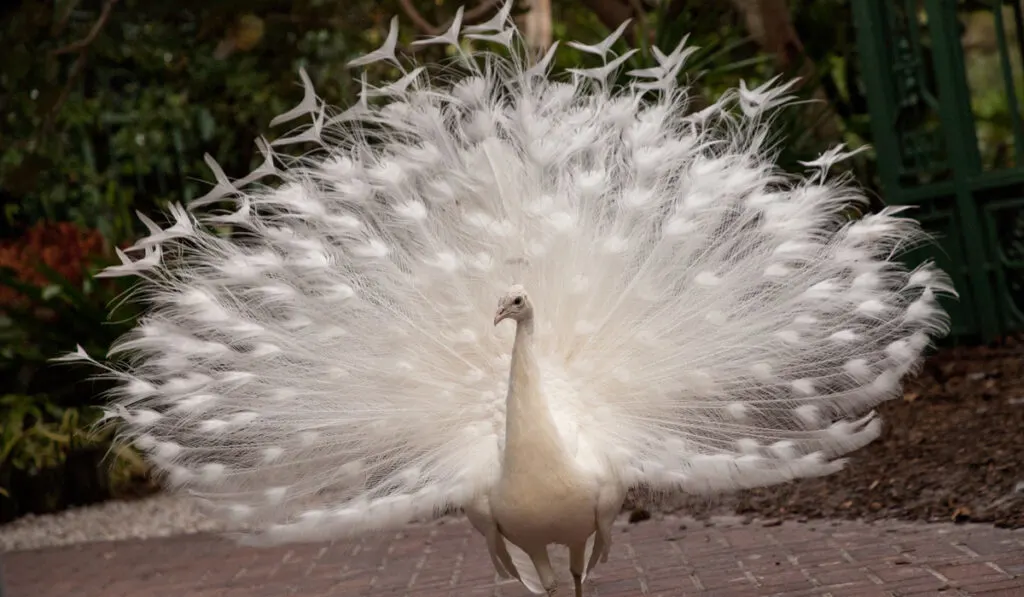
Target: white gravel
point(165, 516)
point(155, 516)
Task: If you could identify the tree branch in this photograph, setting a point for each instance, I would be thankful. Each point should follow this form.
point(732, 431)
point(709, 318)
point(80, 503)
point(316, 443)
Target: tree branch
point(469, 17)
point(770, 24)
point(82, 47)
point(476, 14)
point(639, 14)
point(62, 22)
point(83, 44)
point(780, 36)
point(612, 13)
point(417, 19)
point(535, 24)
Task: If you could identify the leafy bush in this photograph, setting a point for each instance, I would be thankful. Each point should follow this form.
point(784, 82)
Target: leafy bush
point(100, 124)
point(107, 108)
point(37, 440)
point(49, 301)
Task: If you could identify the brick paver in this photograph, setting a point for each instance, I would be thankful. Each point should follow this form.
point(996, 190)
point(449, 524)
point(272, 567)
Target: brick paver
point(666, 557)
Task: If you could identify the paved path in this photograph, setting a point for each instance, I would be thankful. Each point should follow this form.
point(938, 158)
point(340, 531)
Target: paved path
point(656, 557)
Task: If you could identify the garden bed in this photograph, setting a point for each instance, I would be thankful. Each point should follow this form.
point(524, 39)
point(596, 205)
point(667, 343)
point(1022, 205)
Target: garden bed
point(952, 450)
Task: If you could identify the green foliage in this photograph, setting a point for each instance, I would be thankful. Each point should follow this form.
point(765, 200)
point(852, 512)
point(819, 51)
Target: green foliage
point(37, 434)
point(160, 85)
point(107, 107)
point(51, 321)
point(52, 457)
point(48, 414)
point(994, 84)
point(833, 110)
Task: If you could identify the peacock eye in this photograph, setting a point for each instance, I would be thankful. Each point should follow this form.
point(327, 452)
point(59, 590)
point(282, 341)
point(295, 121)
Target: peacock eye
point(518, 301)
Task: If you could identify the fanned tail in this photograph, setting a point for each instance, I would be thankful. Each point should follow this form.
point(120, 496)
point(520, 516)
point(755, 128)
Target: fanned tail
point(733, 355)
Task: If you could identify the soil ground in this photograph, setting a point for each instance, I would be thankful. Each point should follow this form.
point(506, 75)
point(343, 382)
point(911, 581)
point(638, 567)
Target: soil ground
point(952, 450)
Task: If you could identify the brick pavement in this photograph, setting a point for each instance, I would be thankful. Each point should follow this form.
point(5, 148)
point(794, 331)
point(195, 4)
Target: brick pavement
point(657, 557)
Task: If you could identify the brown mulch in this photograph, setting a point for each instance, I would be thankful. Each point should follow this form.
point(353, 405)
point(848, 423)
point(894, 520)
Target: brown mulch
point(952, 450)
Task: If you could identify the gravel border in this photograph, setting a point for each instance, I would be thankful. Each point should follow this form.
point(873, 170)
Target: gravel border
point(164, 515)
point(153, 516)
point(159, 515)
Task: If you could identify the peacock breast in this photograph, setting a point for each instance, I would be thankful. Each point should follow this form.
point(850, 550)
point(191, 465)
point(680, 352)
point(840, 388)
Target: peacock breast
point(546, 507)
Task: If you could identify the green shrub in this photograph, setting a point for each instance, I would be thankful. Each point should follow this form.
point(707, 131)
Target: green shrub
point(50, 456)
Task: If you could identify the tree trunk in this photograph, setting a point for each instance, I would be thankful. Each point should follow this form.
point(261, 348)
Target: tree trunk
point(536, 26)
point(612, 13)
point(770, 24)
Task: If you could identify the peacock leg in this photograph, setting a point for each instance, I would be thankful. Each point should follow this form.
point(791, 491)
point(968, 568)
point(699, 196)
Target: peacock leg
point(543, 565)
point(604, 533)
point(577, 559)
point(503, 556)
point(479, 515)
point(609, 504)
point(599, 548)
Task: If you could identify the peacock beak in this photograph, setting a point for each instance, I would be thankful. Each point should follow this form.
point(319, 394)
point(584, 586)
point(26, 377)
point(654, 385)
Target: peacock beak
point(499, 316)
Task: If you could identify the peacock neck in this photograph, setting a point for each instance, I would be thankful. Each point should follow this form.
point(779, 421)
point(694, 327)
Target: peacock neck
point(530, 432)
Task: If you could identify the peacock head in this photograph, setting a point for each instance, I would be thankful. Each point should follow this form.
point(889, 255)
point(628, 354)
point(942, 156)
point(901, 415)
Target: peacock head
point(514, 305)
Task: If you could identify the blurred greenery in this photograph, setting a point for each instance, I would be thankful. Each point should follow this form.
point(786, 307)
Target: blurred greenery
point(162, 84)
point(50, 454)
point(987, 84)
point(94, 130)
point(108, 106)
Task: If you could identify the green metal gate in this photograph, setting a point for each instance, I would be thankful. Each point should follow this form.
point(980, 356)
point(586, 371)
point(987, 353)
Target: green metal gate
point(936, 152)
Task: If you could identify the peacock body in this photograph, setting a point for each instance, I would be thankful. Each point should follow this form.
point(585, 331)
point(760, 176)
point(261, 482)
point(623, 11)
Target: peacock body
point(673, 312)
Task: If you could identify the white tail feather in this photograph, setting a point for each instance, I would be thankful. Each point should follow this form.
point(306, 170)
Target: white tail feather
point(704, 323)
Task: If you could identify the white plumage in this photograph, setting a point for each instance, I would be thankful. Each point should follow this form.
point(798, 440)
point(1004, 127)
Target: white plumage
point(689, 318)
